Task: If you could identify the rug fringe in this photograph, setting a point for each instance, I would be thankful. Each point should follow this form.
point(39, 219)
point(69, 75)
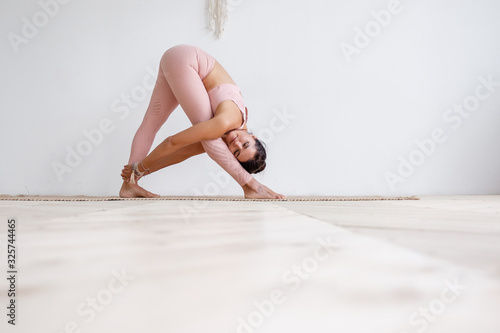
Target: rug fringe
point(207, 198)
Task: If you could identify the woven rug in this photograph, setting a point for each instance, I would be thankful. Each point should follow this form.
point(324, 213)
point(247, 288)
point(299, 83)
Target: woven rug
point(209, 198)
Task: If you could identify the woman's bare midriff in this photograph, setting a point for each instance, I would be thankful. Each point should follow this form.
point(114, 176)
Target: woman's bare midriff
point(216, 77)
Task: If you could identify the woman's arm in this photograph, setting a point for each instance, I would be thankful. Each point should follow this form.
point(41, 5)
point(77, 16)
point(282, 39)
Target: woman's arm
point(206, 130)
point(178, 156)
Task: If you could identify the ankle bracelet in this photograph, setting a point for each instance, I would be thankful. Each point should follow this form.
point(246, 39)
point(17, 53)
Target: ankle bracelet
point(145, 170)
point(136, 171)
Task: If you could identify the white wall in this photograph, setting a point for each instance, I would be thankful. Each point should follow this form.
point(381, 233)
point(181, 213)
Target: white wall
point(353, 120)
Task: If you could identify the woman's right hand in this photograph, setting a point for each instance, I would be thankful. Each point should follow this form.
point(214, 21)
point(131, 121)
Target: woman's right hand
point(255, 190)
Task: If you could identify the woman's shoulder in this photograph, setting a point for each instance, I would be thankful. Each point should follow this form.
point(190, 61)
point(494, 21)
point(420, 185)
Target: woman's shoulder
point(229, 112)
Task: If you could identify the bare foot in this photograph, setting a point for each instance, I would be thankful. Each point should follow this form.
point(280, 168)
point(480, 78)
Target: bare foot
point(135, 191)
point(255, 190)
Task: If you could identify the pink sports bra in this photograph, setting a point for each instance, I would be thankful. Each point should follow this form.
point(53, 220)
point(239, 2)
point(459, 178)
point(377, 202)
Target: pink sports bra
point(226, 92)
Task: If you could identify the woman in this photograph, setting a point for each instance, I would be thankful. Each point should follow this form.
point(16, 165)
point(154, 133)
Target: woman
point(213, 103)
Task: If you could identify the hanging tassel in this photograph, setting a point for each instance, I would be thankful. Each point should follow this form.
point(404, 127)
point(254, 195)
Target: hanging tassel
point(217, 16)
point(135, 171)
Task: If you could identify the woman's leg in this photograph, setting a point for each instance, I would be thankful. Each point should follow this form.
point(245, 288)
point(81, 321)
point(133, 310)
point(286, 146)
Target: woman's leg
point(184, 68)
point(162, 103)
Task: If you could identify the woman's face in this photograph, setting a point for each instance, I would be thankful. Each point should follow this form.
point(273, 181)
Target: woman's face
point(241, 144)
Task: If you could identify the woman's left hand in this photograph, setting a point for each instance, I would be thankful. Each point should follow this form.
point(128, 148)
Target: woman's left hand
point(127, 172)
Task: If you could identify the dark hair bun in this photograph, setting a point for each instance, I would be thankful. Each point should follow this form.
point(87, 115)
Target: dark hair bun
point(258, 162)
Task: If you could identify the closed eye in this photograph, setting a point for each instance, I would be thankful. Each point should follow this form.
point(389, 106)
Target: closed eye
point(245, 146)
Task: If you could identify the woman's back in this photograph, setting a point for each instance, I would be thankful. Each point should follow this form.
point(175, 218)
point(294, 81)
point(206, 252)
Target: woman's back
point(216, 77)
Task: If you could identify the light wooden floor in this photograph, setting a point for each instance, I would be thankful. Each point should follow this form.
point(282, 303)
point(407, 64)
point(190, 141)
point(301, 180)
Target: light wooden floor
point(464, 230)
point(186, 266)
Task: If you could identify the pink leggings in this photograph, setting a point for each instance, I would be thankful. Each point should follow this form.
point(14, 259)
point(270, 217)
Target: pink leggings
point(182, 69)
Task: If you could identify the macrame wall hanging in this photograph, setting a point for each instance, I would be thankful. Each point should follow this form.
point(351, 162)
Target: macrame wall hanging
point(217, 16)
